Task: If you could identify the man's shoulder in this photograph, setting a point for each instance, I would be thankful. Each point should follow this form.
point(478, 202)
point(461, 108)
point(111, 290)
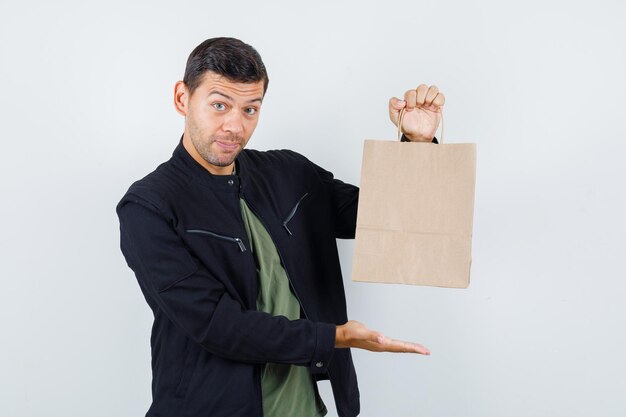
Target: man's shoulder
point(275, 159)
point(159, 186)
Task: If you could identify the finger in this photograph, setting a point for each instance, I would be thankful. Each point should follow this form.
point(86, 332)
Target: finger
point(430, 95)
point(407, 347)
point(423, 350)
point(410, 97)
point(439, 100)
point(395, 105)
point(421, 90)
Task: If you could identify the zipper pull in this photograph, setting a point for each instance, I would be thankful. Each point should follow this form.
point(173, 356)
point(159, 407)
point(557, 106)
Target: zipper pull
point(242, 247)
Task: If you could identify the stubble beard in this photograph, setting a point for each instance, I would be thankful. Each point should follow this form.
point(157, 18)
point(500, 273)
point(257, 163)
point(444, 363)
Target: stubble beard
point(204, 149)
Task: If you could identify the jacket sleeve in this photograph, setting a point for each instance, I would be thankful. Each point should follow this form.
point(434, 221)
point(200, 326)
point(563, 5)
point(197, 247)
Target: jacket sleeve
point(344, 200)
point(405, 139)
point(173, 280)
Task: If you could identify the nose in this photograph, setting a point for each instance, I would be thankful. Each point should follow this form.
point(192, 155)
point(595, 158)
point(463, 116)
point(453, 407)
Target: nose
point(233, 122)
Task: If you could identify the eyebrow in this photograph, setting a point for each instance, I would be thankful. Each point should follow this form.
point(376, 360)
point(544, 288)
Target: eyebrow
point(259, 99)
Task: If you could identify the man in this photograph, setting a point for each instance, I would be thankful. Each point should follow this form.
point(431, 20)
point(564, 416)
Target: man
point(235, 252)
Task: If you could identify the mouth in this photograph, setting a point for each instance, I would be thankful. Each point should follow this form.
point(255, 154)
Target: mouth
point(228, 146)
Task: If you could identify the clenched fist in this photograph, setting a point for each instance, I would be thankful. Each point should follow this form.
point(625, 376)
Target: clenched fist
point(422, 112)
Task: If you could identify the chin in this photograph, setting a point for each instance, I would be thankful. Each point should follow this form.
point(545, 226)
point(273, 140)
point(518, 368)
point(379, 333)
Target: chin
point(221, 162)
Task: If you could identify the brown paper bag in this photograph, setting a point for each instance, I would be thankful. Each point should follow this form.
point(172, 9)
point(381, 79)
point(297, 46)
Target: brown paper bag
point(415, 214)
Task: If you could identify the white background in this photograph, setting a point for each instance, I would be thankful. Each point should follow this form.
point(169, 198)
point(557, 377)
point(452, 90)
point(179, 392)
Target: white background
point(86, 108)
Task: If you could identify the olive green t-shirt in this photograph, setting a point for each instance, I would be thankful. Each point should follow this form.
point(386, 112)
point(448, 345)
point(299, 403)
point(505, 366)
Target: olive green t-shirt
point(288, 390)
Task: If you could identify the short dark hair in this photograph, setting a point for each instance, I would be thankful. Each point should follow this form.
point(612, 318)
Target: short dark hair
point(228, 57)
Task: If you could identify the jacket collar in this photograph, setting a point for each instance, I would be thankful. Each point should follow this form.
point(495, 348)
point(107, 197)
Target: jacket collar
point(227, 183)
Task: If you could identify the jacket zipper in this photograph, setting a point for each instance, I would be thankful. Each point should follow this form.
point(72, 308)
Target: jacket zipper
point(236, 240)
point(280, 256)
point(292, 213)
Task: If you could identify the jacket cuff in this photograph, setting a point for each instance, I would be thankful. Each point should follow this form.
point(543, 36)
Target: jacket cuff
point(404, 139)
point(324, 348)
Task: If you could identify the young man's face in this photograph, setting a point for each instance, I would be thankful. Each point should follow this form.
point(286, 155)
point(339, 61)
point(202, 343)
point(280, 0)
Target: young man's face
point(220, 117)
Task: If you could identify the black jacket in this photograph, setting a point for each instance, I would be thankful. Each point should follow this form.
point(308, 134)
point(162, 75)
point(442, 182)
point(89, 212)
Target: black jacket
point(183, 235)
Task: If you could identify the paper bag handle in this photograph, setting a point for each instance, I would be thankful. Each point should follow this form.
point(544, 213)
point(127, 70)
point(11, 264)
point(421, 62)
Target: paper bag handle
point(401, 117)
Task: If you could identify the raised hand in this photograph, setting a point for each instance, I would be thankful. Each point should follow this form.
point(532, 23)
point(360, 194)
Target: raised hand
point(423, 112)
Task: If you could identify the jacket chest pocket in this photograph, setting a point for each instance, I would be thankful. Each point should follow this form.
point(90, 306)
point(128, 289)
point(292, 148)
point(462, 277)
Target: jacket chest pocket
point(235, 241)
point(228, 258)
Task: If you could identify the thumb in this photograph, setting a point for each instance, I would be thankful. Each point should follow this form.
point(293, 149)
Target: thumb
point(395, 105)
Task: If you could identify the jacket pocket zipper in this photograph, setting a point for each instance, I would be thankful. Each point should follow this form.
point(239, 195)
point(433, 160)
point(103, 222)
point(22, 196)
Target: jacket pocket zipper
point(236, 240)
point(292, 213)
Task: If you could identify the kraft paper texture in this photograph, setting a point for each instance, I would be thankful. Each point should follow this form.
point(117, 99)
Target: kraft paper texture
point(415, 215)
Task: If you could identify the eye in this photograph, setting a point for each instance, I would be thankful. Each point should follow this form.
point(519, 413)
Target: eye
point(251, 111)
point(219, 106)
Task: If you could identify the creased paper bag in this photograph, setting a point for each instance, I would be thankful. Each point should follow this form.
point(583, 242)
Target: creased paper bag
point(415, 214)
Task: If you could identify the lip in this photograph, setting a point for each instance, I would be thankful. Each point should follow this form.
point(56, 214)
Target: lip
point(229, 146)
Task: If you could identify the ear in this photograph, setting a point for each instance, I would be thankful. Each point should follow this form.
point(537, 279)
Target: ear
point(181, 98)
